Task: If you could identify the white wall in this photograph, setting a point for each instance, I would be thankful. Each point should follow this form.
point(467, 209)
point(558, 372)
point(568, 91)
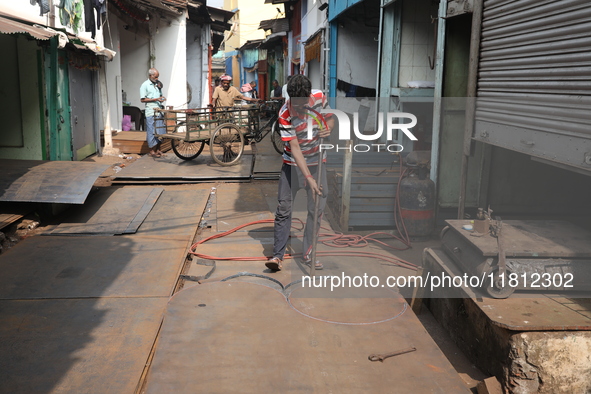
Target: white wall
point(312, 21)
point(195, 64)
point(417, 41)
point(315, 74)
point(170, 60)
point(113, 73)
point(135, 63)
point(215, 3)
point(357, 55)
point(205, 77)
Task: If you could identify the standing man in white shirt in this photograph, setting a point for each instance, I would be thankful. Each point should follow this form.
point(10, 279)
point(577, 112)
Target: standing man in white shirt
point(151, 95)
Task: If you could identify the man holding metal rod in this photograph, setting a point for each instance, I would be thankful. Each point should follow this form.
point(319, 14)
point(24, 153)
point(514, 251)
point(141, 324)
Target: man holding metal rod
point(302, 160)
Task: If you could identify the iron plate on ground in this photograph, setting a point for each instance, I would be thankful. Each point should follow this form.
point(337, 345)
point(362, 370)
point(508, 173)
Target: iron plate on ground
point(76, 345)
point(64, 182)
point(92, 266)
point(243, 337)
point(170, 167)
point(111, 211)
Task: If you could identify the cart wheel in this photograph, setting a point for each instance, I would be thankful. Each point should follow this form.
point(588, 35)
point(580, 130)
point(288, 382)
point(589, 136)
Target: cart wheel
point(187, 150)
point(278, 144)
point(226, 144)
point(495, 286)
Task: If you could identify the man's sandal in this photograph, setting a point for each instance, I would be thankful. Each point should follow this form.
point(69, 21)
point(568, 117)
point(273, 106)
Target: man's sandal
point(317, 266)
point(274, 264)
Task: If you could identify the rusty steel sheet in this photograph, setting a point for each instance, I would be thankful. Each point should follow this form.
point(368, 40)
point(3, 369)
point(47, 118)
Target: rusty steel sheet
point(240, 243)
point(234, 336)
point(519, 312)
point(111, 211)
point(171, 167)
point(235, 245)
point(76, 345)
point(63, 182)
point(537, 314)
point(532, 238)
point(92, 266)
point(241, 204)
point(176, 214)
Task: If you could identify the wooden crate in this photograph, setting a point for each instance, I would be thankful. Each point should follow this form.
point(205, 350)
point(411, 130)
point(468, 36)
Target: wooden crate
point(373, 195)
point(134, 142)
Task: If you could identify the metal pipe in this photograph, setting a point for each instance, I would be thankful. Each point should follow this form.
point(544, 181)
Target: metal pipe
point(438, 92)
point(51, 14)
point(470, 102)
point(322, 124)
point(325, 59)
point(316, 213)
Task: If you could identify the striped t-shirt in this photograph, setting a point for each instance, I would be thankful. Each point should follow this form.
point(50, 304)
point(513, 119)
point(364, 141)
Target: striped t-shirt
point(294, 125)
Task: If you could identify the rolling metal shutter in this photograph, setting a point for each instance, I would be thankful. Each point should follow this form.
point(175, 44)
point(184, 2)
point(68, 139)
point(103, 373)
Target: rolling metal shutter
point(534, 79)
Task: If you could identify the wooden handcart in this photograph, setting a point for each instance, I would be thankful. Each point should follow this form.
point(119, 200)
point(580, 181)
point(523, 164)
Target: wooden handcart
point(225, 130)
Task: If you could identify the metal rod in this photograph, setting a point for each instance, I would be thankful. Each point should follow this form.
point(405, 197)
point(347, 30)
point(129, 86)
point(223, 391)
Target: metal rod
point(316, 211)
point(382, 357)
point(438, 94)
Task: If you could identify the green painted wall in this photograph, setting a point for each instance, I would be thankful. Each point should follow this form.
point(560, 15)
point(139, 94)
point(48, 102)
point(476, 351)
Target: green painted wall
point(58, 103)
point(28, 85)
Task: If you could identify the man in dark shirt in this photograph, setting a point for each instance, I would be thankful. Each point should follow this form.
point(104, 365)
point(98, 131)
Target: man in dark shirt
point(255, 94)
point(276, 90)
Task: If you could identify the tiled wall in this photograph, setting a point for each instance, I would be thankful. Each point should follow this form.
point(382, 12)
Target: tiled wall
point(417, 41)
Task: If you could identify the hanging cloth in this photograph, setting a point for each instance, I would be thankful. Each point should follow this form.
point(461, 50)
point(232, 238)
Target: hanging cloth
point(89, 24)
point(43, 6)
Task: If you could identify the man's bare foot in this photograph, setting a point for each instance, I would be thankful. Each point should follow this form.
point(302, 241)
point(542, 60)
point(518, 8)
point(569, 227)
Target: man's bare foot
point(154, 154)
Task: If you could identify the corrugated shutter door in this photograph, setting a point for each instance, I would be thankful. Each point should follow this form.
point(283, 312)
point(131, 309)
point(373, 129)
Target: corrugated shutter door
point(534, 81)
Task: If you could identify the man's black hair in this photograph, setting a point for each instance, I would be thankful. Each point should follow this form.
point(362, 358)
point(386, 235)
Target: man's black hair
point(299, 86)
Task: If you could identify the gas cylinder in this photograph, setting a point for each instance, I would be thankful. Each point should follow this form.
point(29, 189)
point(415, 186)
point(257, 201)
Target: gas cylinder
point(417, 203)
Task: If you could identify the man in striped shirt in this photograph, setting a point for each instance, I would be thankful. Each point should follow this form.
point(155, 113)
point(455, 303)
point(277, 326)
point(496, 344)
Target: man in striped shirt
point(300, 164)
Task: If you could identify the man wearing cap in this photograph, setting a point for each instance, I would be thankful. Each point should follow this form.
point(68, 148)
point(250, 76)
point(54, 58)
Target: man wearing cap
point(224, 95)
